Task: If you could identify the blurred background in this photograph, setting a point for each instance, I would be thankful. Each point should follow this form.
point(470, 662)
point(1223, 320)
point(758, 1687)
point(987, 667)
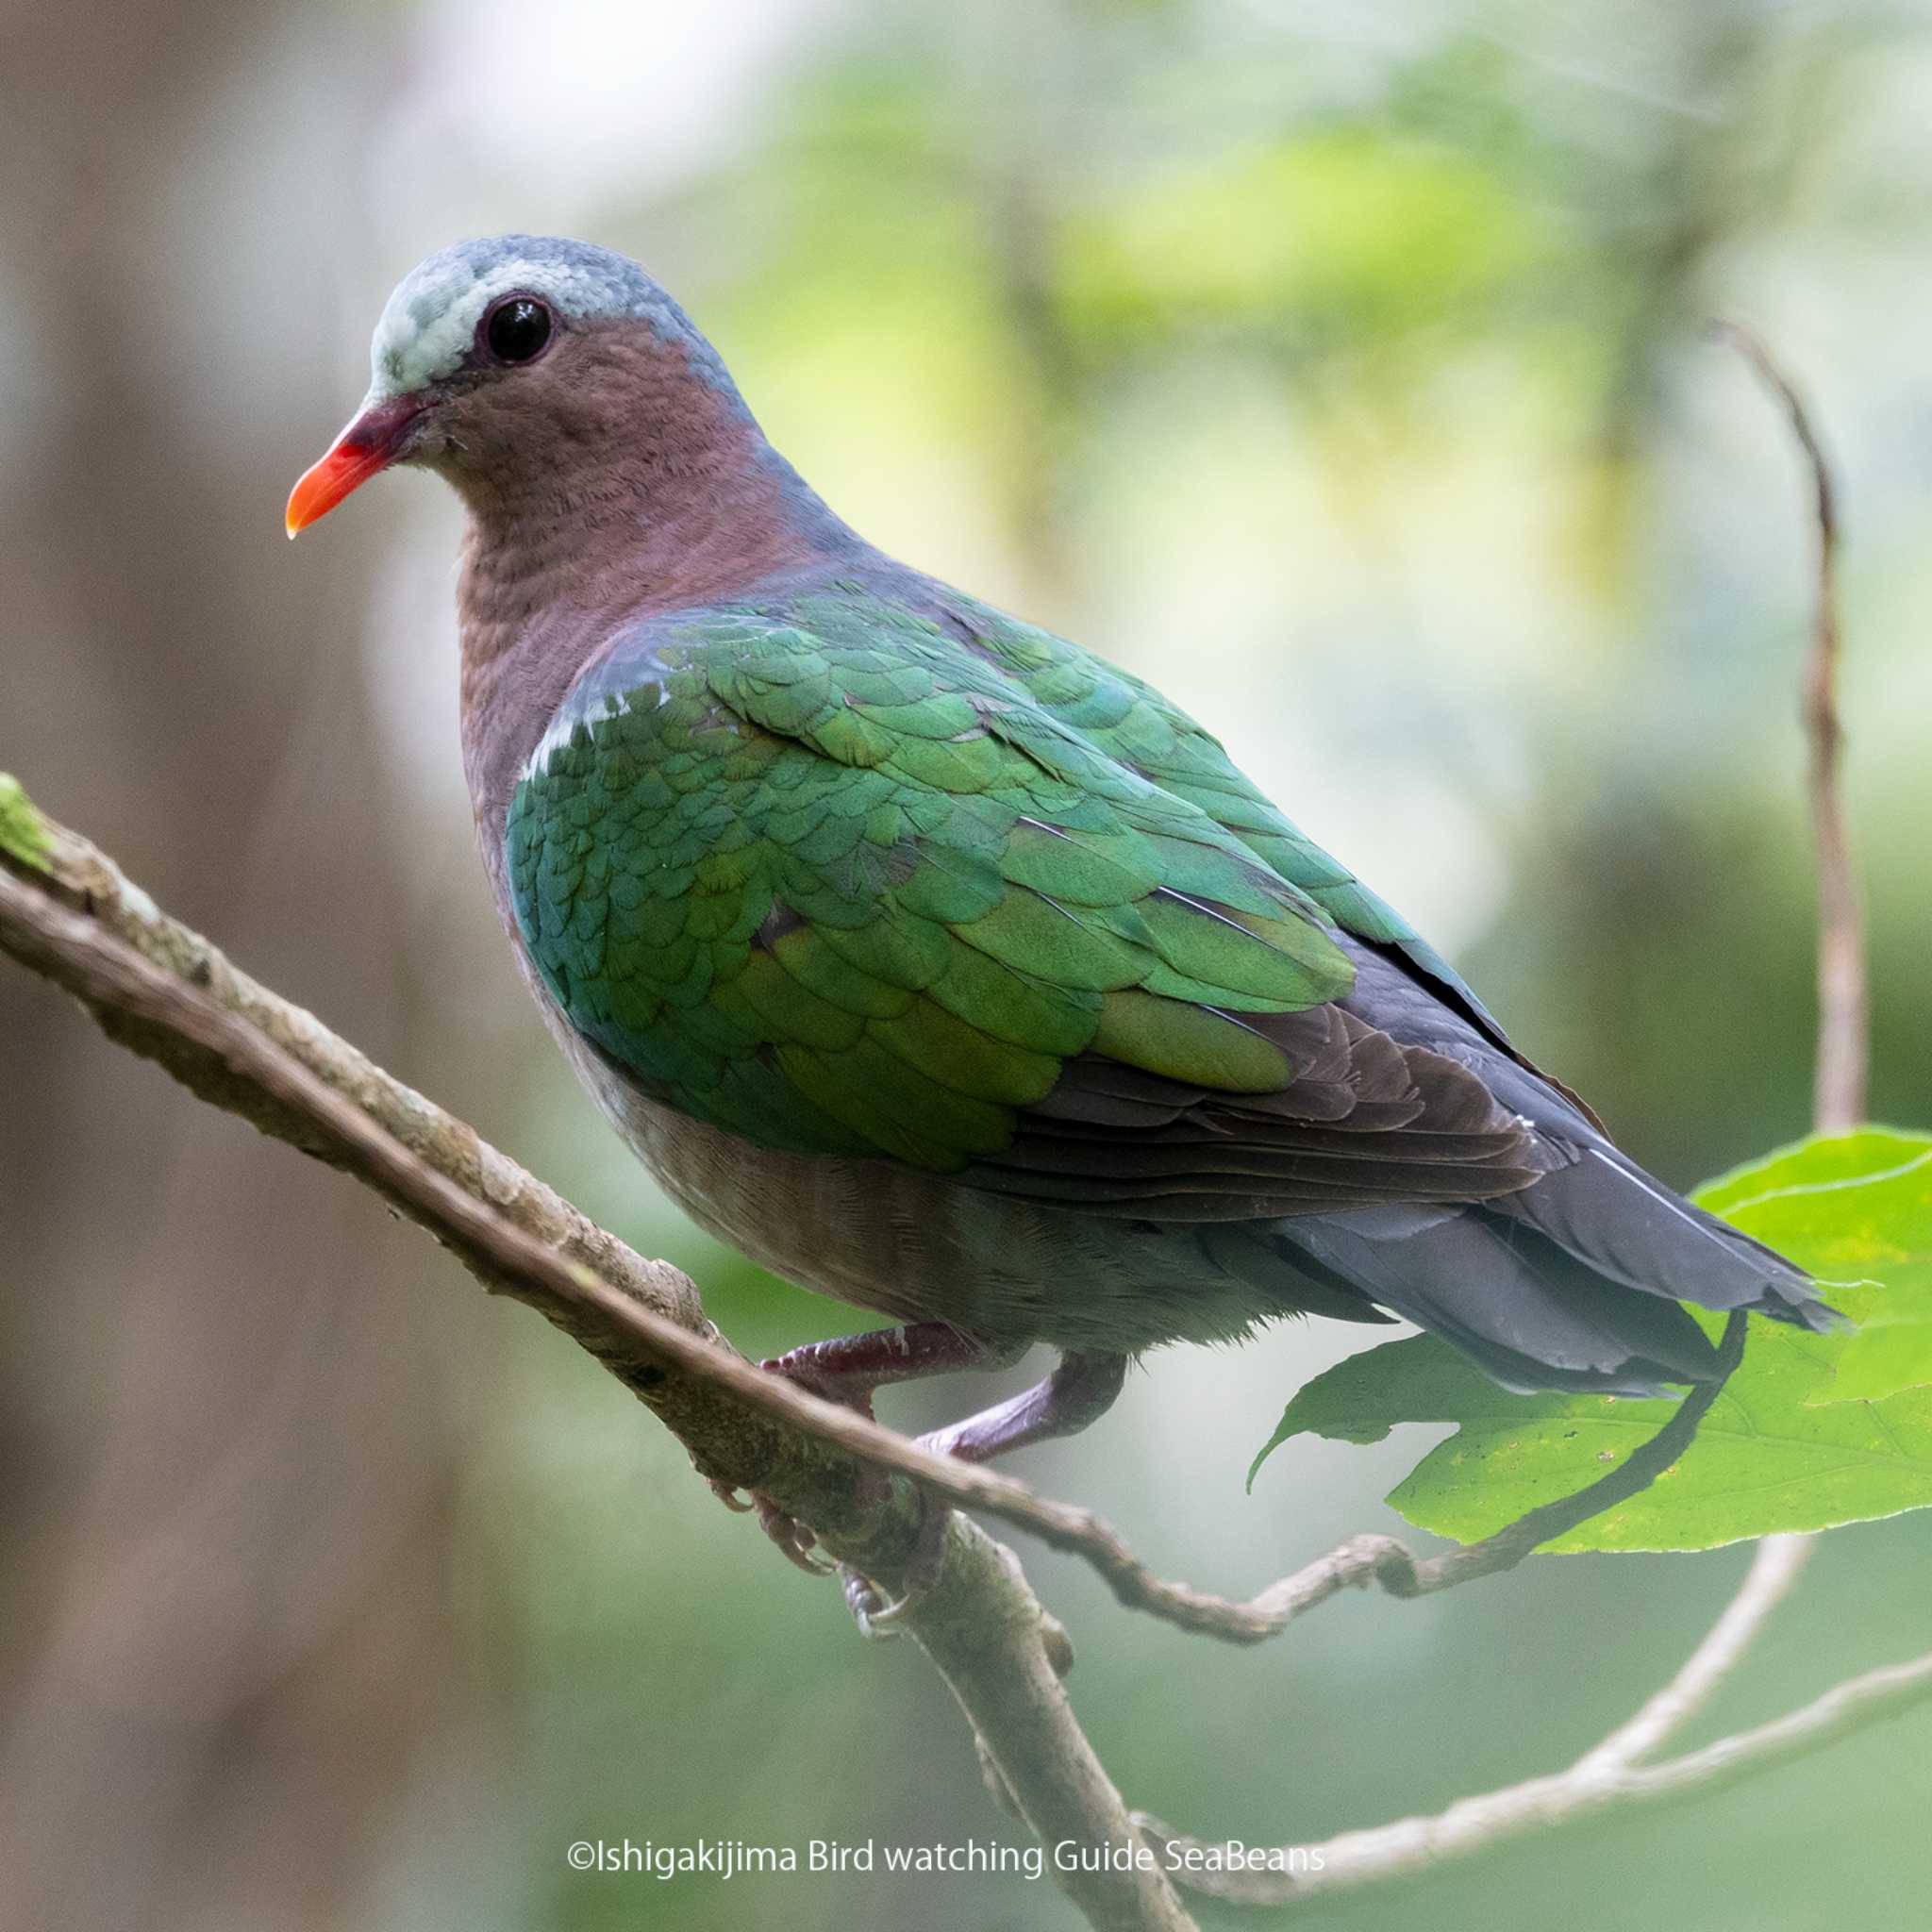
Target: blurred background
point(1340, 367)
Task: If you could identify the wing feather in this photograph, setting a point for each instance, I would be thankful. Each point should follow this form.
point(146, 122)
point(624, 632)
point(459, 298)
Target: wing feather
point(817, 875)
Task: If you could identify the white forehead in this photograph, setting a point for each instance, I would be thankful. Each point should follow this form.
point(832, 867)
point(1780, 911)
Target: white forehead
point(429, 324)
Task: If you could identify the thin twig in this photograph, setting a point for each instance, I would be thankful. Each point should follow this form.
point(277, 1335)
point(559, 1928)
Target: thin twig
point(1776, 1566)
point(1383, 1562)
point(1414, 1847)
point(1609, 1775)
point(1844, 994)
point(1844, 1047)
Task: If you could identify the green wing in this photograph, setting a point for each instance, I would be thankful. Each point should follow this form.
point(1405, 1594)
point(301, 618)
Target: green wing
point(1135, 724)
point(841, 880)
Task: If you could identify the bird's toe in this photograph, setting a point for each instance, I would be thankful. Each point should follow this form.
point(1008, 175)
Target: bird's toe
point(793, 1539)
point(877, 1615)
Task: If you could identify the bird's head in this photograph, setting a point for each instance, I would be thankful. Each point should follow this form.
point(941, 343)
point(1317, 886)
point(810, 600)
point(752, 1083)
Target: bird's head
point(501, 351)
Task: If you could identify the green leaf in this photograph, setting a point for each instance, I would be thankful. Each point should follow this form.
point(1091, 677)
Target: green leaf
point(23, 834)
point(1812, 1431)
point(1857, 1210)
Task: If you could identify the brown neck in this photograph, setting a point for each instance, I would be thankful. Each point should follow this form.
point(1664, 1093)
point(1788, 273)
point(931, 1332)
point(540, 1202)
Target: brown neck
point(624, 487)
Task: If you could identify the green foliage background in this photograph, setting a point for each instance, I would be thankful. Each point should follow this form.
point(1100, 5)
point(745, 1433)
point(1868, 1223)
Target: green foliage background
point(1341, 369)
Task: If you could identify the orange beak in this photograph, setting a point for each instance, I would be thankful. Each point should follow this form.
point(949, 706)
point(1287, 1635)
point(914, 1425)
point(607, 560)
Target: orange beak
point(371, 443)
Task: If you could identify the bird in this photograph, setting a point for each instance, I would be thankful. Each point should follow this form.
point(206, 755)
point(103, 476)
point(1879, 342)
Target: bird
point(939, 964)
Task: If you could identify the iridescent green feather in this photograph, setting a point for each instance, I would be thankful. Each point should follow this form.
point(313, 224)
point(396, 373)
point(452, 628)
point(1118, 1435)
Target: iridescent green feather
point(830, 878)
point(1133, 722)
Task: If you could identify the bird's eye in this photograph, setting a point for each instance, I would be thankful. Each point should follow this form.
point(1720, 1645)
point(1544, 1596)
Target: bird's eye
point(517, 328)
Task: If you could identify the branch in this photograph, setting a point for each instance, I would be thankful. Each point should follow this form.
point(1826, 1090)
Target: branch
point(1843, 1048)
point(1382, 1561)
point(1414, 1847)
point(1604, 1779)
point(165, 992)
point(1843, 995)
point(1777, 1565)
point(878, 1501)
point(1608, 1777)
point(68, 914)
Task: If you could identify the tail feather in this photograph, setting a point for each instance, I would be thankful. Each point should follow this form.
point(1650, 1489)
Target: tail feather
point(1611, 1215)
point(1573, 1283)
point(1530, 1314)
point(1573, 1280)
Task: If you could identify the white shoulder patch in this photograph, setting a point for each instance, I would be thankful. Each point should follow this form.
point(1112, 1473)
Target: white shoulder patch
point(585, 708)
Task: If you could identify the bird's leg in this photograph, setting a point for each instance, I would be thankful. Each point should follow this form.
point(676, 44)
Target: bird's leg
point(847, 1369)
point(1079, 1392)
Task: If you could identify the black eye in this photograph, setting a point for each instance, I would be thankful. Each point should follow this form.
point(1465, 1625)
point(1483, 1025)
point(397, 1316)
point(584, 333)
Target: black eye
point(517, 328)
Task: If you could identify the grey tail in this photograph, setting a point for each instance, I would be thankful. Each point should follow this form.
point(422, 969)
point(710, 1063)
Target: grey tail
point(1573, 1283)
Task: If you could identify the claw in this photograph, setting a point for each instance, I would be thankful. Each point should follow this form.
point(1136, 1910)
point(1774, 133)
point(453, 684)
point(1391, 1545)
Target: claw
point(874, 1616)
point(878, 1619)
point(792, 1538)
point(849, 1369)
point(727, 1494)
